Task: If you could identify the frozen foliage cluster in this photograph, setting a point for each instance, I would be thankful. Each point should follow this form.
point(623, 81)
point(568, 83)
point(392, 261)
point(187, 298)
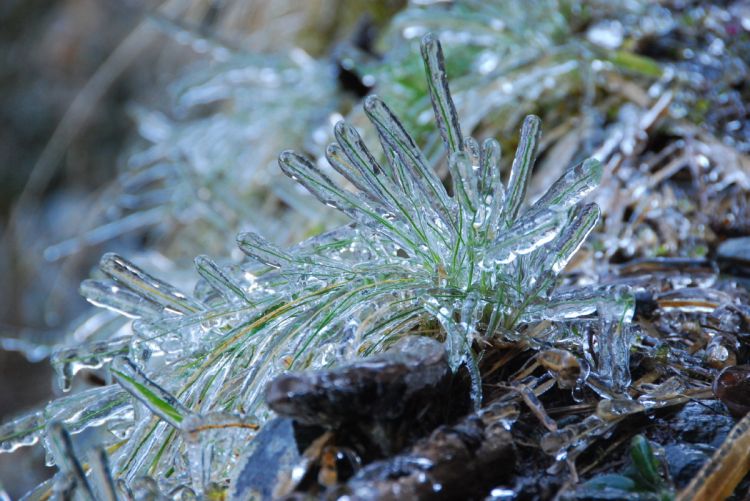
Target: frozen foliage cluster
point(465, 263)
point(467, 259)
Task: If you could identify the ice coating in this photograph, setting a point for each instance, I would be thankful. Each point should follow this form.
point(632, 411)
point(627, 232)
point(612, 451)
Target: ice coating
point(474, 260)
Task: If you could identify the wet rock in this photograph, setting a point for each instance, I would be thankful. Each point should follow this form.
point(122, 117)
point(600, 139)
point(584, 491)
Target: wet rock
point(383, 387)
point(685, 461)
point(269, 461)
point(462, 461)
point(701, 424)
point(737, 249)
point(381, 403)
point(733, 256)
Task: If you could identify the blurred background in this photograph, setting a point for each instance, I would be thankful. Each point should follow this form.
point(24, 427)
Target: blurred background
point(151, 128)
point(50, 51)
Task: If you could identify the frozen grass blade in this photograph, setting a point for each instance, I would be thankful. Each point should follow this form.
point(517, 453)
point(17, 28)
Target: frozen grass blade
point(521, 168)
point(260, 249)
point(107, 405)
point(490, 182)
point(418, 175)
point(219, 280)
point(577, 182)
point(113, 296)
point(101, 475)
point(354, 174)
point(525, 236)
point(303, 171)
point(143, 284)
point(65, 457)
point(442, 102)
point(157, 399)
point(572, 237)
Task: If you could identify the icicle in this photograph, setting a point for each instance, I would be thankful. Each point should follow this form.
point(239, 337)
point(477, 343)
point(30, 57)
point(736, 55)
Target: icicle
point(22, 432)
point(68, 362)
point(614, 341)
point(458, 338)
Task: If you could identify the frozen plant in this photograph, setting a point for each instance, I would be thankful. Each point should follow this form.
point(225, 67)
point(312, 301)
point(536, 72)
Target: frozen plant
point(473, 264)
point(475, 260)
